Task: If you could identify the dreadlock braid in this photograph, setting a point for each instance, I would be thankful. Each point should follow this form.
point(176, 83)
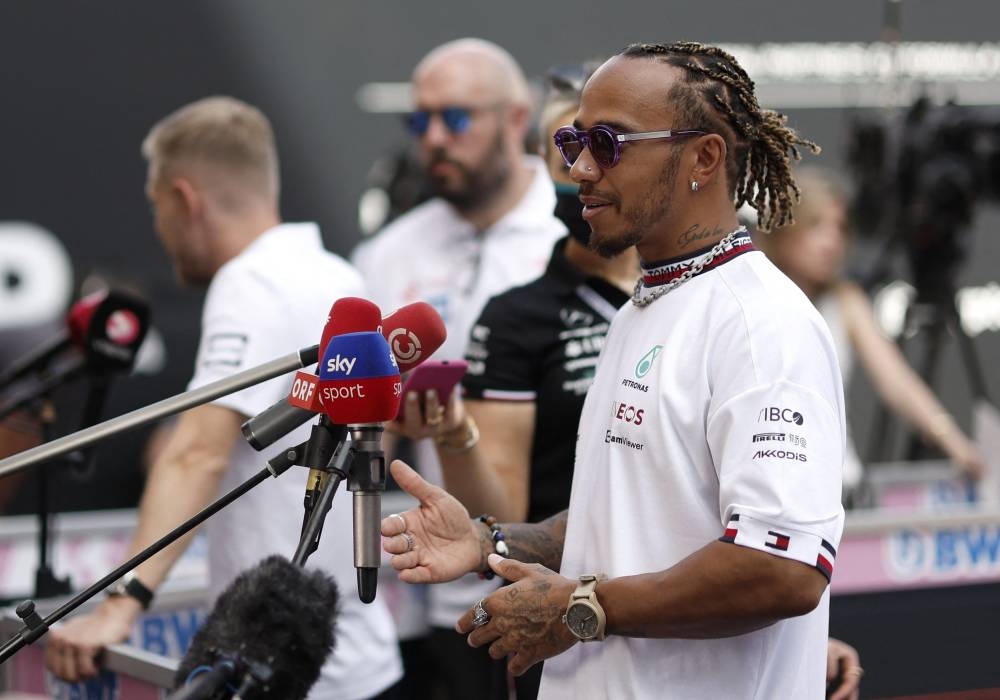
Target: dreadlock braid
point(718, 93)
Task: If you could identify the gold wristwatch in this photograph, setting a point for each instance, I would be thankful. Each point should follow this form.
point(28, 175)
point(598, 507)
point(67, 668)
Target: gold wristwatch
point(584, 615)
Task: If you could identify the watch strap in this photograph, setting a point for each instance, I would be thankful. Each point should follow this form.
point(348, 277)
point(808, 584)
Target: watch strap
point(587, 590)
point(130, 585)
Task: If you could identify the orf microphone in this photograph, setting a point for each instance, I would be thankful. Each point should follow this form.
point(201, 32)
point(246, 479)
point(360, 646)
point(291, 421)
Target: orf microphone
point(347, 315)
point(413, 332)
point(268, 634)
point(359, 386)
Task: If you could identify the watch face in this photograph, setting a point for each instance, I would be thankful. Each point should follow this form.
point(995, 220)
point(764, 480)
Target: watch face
point(582, 620)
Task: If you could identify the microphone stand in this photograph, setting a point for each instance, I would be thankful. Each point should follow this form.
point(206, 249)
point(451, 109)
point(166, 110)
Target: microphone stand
point(47, 584)
point(317, 505)
point(35, 626)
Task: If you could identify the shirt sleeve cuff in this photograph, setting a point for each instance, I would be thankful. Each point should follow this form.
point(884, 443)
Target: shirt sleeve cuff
point(782, 541)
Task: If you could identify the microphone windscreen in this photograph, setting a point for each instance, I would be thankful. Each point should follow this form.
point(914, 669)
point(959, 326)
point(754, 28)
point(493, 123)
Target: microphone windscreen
point(413, 332)
point(350, 315)
point(115, 329)
point(359, 379)
point(276, 614)
point(79, 315)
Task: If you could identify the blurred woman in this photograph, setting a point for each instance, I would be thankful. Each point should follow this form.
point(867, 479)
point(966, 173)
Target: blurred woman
point(812, 252)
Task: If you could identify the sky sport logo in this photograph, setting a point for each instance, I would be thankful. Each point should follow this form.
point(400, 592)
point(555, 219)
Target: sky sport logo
point(775, 414)
point(646, 362)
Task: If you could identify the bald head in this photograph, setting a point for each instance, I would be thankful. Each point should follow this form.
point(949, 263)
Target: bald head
point(481, 68)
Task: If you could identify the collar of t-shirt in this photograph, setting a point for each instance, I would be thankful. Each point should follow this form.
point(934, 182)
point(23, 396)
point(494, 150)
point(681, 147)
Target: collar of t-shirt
point(305, 233)
point(664, 271)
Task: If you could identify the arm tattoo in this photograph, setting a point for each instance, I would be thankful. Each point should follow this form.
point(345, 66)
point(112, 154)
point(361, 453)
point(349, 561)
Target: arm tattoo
point(540, 543)
point(696, 233)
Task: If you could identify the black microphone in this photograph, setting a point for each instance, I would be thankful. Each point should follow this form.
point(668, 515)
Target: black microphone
point(106, 328)
point(268, 636)
point(104, 332)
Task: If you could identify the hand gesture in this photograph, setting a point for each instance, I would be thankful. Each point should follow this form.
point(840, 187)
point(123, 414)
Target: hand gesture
point(436, 541)
point(523, 620)
point(72, 650)
point(843, 667)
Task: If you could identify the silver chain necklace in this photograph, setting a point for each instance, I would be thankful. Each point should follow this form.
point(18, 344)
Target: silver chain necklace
point(658, 292)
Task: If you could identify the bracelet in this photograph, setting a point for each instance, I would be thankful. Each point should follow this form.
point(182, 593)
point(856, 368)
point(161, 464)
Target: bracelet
point(471, 438)
point(499, 545)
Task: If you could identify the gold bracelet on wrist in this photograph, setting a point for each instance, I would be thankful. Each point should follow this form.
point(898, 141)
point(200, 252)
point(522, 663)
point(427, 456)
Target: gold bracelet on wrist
point(471, 438)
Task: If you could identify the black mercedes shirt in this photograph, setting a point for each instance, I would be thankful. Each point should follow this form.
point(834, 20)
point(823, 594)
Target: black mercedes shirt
point(540, 342)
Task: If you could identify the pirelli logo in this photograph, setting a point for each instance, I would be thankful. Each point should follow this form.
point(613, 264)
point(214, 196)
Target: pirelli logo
point(769, 437)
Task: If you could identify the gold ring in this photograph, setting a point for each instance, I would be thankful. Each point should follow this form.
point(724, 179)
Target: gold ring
point(401, 519)
point(855, 671)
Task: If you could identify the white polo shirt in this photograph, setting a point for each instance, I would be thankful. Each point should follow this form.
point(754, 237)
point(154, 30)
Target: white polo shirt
point(717, 413)
point(271, 300)
point(432, 254)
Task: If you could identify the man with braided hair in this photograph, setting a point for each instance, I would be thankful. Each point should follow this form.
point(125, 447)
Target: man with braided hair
point(705, 509)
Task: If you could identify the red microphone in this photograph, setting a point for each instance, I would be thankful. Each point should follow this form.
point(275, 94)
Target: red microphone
point(347, 315)
point(413, 332)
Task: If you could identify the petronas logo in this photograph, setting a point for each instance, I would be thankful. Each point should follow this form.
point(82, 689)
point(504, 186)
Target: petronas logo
point(646, 362)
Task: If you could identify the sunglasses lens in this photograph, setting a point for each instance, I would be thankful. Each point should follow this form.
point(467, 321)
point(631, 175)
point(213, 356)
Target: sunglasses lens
point(456, 119)
point(417, 122)
point(602, 147)
point(569, 145)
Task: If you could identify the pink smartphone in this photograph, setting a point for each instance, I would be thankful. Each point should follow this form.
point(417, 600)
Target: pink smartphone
point(439, 375)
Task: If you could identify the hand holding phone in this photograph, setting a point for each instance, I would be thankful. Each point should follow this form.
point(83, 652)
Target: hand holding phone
point(440, 375)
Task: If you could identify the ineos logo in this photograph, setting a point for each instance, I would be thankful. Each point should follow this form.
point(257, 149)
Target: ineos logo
point(629, 414)
point(405, 345)
point(122, 327)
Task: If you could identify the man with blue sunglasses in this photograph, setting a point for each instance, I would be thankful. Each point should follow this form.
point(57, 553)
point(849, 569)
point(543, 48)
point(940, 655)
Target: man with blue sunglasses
point(490, 227)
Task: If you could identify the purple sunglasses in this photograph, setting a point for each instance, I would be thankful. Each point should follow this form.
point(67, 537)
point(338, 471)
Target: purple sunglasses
point(605, 143)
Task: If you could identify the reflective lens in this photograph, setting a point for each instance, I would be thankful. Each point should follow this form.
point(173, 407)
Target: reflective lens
point(456, 120)
point(605, 143)
point(600, 140)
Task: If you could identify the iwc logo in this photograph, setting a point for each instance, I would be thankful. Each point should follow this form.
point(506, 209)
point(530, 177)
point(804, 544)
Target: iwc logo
point(646, 362)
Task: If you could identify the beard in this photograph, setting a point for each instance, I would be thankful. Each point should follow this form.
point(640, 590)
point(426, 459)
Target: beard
point(654, 208)
point(475, 186)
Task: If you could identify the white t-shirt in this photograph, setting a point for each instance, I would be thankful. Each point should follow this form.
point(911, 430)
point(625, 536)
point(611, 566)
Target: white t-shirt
point(432, 254)
point(717, 413)
point(270, 300)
